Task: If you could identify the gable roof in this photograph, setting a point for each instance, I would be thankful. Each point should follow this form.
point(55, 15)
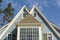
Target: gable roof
point(40, 14)
point(15, 18)
point(56, 27)
point(29, 20)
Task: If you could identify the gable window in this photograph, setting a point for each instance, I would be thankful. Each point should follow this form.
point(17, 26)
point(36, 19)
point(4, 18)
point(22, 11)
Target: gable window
point(47, 36)
point(25, 14)
point(35, 14)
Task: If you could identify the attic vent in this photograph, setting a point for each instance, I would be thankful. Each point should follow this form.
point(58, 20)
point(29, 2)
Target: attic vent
point(25, 14)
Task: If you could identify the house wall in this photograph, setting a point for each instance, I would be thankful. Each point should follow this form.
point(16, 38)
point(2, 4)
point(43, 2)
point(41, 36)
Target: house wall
point(45, 28)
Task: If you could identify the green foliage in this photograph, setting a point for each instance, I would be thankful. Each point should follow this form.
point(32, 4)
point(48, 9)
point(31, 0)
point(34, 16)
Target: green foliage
point(9, 9)
point(8, 13)
point(0, 1)
point(1, 11)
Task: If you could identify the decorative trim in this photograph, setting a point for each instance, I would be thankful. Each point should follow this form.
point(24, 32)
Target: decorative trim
point(29, 24)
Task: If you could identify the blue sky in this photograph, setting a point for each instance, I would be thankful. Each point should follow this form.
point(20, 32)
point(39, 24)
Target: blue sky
point(50, 8)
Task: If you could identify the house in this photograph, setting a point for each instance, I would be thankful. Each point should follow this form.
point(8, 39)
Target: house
point(30, 25)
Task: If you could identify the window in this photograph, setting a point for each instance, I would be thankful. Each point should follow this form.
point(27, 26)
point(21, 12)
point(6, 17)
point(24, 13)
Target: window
point(9, 36)
point(12, 36)
point(35, 14)
point(47, 36)
point(25, 14)
point(44, 36)
point(29, 34)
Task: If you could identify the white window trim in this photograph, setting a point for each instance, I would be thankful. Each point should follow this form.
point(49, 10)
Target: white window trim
point(18, 32)
point(51, 34)
point(40, 34)
point(47, 34)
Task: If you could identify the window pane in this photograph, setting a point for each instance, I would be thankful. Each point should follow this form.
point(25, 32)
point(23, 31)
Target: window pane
point(44, 36)
point(24, 14)
point(14, 36)
point(34, 14)
point(29, 34)
point(49, 36)
point(35, 34)
point(9, 37)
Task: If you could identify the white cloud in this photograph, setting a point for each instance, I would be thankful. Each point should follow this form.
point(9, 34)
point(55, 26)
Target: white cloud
point(8, 1)
point(15, 4)
point(58, 3)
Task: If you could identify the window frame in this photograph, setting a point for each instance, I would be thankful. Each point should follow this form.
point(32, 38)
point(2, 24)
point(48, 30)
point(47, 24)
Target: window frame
point(35, 14)
point(8, 35)
point(18, 31)
point(51, 35)
point(24, 14)
point(32, 32)
point(47, 35)
point(42, 35)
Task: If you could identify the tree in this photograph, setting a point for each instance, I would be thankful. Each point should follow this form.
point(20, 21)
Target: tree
point(8, 14)
point(0, 2)
point(0, 6)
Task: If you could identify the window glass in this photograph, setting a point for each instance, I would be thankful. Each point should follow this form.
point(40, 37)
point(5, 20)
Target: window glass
point(49, 36)
point(12, 37)
point(44, 36)
point(29, 34)
point(9, 36)
point(25, 14)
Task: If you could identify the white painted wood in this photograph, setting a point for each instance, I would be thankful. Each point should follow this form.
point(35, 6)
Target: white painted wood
point(18, 33)
point(40, 34)
point(32, 11)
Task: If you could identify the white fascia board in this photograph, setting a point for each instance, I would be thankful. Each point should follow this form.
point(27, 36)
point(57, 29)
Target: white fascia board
point(32, 9)
point(45, 19)
point(56, 26)
point(13, 21)
point(4, 26)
